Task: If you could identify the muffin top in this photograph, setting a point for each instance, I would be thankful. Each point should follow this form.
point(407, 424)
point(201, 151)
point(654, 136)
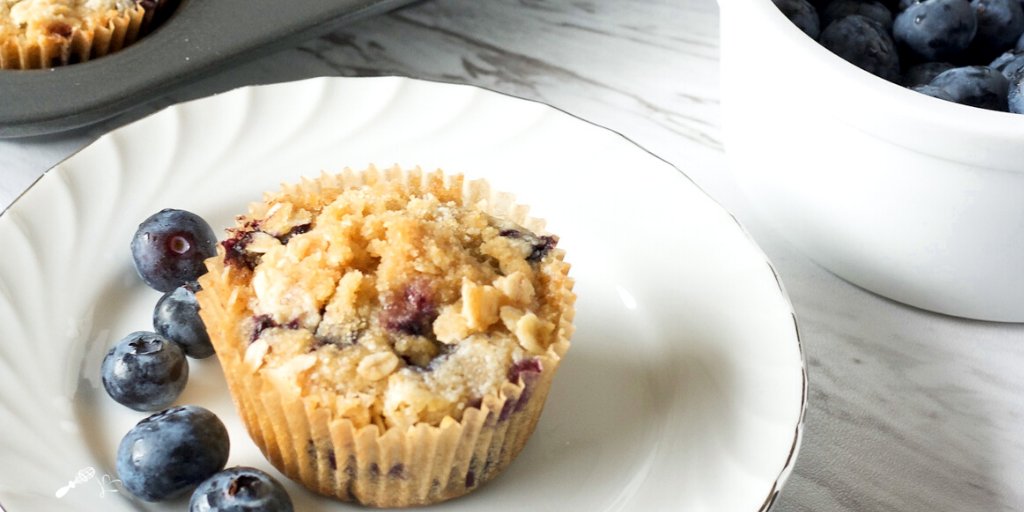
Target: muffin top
point(32, 19)
point(394, 303)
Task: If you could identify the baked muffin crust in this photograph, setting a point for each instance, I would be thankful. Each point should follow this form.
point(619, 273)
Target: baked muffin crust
point(393, 306)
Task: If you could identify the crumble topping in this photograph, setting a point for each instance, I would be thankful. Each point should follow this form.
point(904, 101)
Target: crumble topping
point(393, 307)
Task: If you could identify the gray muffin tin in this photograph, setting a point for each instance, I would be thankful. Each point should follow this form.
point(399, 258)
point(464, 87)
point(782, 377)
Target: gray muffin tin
point(200, 38)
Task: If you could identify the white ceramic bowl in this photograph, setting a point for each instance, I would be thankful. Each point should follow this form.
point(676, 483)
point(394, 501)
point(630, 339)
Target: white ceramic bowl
point(914, 198)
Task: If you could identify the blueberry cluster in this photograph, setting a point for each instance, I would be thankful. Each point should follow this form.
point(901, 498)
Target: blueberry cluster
point(966, 51)
point(179, 449)
point(147, 370)
point(184, 450)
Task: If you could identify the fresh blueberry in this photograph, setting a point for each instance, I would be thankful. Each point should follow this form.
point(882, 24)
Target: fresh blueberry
point(864, 43)
point(1000, 24)
point(240, 489)
point(923, 74)
point(1020, 44)
point(936, 30)
point(871, 9)
point(169, 248)
point(977, 86)
point(1009, 63)
point(145, 371)
point(934, 92)
point(176, 317)
point(802, 14)
point(171, 452)
point(1016, 95)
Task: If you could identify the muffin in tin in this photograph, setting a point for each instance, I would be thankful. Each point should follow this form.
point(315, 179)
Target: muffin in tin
point(389, 337)
point(38, 34)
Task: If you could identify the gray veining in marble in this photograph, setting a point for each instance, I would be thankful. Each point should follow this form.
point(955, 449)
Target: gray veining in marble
point(909, 411)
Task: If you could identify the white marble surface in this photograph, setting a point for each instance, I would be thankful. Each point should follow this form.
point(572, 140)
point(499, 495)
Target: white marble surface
point(908, 410)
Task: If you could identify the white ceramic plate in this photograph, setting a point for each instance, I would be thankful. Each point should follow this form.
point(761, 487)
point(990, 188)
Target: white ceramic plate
point(685, 386)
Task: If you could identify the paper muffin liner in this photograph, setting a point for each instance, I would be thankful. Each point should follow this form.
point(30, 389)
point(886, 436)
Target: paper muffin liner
point(81, 44)
point(394, 467)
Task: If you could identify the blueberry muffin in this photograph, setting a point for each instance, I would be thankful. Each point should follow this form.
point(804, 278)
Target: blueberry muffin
point(46, 33)
point(389, 337)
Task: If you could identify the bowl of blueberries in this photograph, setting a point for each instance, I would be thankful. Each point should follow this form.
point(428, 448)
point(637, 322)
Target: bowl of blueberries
point(885, 139)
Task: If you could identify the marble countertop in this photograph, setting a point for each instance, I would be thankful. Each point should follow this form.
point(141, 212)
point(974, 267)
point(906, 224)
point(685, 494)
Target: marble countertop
point(908, 410)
